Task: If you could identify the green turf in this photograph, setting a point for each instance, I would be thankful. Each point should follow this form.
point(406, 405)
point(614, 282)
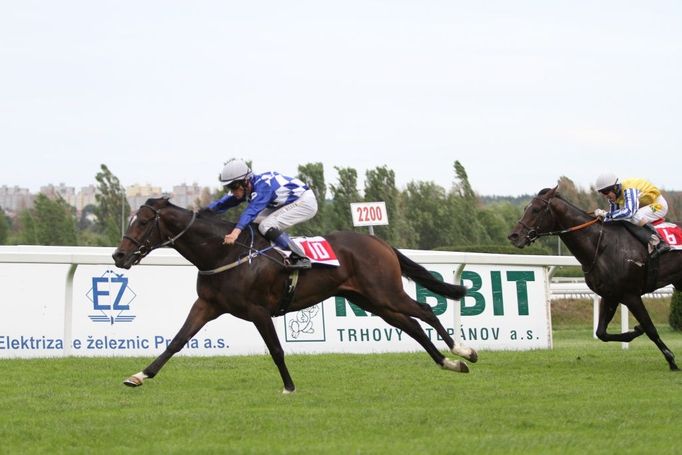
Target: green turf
point(584, 396)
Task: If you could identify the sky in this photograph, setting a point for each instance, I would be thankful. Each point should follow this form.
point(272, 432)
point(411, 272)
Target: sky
point(164, 92)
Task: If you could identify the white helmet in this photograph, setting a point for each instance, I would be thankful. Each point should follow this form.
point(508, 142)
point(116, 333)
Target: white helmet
point(233, 171)
point(606, 181)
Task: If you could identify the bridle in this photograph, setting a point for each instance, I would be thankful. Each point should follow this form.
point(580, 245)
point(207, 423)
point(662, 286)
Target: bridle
point(144, 245)
point(532, 232)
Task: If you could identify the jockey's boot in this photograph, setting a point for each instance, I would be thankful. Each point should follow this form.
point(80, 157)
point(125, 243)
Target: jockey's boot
point(655, 244)
point(297, 259)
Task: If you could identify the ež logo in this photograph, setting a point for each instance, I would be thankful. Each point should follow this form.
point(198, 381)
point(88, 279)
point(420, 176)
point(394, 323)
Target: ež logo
point(111, 298)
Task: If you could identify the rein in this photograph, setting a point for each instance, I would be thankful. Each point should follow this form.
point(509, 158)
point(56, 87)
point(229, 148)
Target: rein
point(145, 247)
point(533, 233)
point(566, 231)
point(252, 254)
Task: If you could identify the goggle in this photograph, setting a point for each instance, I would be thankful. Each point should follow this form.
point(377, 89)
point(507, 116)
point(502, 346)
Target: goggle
point(233, 185)
point(607, 190)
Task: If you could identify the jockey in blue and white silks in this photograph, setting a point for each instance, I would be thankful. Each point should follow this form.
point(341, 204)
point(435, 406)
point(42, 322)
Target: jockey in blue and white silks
point(275, 201)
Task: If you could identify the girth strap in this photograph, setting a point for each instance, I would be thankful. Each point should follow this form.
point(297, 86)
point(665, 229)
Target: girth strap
point(288, 296)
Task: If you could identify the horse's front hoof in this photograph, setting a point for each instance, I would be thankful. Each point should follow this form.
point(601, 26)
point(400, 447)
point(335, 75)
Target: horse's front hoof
point(135, 380)
point(287, 391)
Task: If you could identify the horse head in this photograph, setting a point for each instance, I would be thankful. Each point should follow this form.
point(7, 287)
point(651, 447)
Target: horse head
point(153, 226)
point(538, 219)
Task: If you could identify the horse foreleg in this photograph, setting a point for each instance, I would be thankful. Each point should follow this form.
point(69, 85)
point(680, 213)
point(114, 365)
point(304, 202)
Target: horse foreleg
point(263, 322)
point(200, 313)
point(640, 313)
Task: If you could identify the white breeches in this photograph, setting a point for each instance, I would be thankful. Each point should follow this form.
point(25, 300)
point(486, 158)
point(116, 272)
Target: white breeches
point(282, 218)
point(647, 214)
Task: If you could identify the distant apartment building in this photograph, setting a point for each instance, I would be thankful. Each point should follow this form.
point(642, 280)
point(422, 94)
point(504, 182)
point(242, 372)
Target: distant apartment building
point(138, 194)
point(86, 196)
point(15, 199)
point(68, 193)
point(186, 196)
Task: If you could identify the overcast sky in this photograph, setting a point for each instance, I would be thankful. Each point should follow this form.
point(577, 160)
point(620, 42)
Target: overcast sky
point(163, 92)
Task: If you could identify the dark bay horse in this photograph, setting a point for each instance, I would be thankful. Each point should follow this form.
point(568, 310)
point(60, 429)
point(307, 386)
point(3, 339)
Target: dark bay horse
point(369, 276)
point(613, 261)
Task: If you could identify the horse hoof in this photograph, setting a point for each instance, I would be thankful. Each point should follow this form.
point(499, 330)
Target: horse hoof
point(135, 380)
point(288, 392)
point(473, 356)
point(469, 354)
point(455, 365)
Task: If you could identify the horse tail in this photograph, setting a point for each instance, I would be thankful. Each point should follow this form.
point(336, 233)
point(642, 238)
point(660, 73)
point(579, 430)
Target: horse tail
point(417, 273)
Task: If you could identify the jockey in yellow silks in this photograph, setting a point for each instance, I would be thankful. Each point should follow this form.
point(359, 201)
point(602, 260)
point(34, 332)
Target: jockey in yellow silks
point(636, 201)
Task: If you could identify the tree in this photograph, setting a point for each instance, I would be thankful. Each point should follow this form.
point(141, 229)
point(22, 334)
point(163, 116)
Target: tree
point(49, 222)
point(429, 215)
point(380, 186)
point(313, 175)
point(4, 227)
point(675, 317)
point(464, 205)
point(342, 195)
point(112, 205)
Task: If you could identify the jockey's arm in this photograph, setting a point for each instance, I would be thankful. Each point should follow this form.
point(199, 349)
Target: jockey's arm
point(221, 205)
point(630, 205)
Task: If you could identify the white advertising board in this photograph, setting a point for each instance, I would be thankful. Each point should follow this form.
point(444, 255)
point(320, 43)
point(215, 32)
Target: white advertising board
point(137, 312)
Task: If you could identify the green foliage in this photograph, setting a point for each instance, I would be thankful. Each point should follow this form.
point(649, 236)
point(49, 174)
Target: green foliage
point(49, 222)
point(112, 206)
point(313, 175)
point(380, 186)
point(675, 318)
point(4, 227)
point(345, 192)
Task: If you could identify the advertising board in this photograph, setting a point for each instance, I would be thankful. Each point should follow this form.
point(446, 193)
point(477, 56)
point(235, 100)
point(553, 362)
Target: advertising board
point(114, 312)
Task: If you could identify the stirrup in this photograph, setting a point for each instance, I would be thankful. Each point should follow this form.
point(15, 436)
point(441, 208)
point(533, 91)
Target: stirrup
point(295, 262)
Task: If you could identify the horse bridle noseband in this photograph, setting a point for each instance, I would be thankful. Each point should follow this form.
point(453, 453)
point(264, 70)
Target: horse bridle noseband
point(532, 235)
point(144, 247)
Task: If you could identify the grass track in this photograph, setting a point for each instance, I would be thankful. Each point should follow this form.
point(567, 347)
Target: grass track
point(584, 396)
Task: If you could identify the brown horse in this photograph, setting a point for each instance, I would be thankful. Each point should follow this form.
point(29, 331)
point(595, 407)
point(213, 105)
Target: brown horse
point(369, 276)
point(613, 261)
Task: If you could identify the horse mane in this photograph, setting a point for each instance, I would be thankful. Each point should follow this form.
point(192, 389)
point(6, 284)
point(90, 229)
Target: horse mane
point(560, 197)
point(217, 226)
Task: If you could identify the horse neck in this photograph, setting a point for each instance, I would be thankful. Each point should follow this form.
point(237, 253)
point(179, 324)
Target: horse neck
point(582, 243)
point(202, 244)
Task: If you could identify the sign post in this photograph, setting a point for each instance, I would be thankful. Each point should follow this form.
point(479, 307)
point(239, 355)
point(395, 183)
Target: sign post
point(369, 214)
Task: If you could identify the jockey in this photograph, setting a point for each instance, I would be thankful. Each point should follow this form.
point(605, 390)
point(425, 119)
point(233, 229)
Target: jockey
point(638, 202)
point(275, 201)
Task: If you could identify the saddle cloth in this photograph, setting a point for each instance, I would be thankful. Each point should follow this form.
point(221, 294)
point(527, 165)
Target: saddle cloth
point(671, 233)
point(318, 250)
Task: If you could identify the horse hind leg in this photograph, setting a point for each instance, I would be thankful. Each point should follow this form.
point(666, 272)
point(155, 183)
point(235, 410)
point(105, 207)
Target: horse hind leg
point(413, 329)
point(425, 313)
point(638, 310)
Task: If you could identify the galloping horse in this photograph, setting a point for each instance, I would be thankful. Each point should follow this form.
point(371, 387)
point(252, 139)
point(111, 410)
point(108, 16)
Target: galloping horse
point(613, 261)
point(369, 276)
